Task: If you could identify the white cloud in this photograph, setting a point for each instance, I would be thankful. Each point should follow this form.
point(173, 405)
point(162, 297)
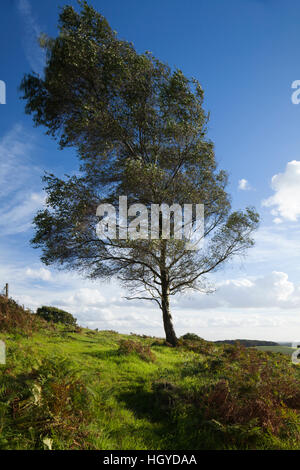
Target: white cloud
point(265, 307)
point(286, 200)
point(35, 55)
point(244, 185)
point(273, 290)
point(39, 274)
point(276, 246)
point(87, 297)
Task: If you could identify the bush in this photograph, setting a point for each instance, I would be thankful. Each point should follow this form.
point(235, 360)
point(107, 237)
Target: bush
point(55, 315)
point(191, 337)
point(238, 396)
point(197, 345)
point(264, 388)
point(16, 319)
point(144, 352)
point(48, 404)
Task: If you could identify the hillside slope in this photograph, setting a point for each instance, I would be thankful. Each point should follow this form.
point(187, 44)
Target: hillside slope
point(65, 388)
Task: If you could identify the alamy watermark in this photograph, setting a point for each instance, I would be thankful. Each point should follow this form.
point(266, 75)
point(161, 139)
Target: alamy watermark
point(2, 92)
point(296, 353)
point(2, 352)
point(157, 222)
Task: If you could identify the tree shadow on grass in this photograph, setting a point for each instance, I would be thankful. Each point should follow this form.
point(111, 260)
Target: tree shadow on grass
point(161, 428)
point(103, 354)
point(142, 403)
point(182, 433)
point(144, 407)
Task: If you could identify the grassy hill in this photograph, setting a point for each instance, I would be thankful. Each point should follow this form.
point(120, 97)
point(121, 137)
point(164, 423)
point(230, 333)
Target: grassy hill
point(249, 343)
point(281, 349)
point(74, 388)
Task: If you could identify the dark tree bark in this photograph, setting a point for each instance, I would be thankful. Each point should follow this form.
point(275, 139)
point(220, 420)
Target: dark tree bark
point(167, 317)
point(165, 299)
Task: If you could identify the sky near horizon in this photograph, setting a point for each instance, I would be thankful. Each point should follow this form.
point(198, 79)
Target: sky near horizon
point(245, 55)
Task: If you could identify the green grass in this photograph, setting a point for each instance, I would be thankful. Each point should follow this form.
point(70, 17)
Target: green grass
point(77, 391)
point(281, 349)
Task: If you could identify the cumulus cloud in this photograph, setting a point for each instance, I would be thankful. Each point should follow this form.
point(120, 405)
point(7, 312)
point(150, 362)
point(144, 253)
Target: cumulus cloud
point(285, 202)
point(39, 274)
point(86, 297)
point(265, 307)
point(273, 290)
point(267, 291)
point(244, 185)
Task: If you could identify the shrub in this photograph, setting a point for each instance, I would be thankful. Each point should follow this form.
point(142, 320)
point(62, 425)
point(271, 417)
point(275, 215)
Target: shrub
point(260, 389)
point(166, 394)
point(197, 345)
point(240, 396)
point(55, 315)
point(191, 337)
point(143, 351)
point(50, 403)
point(16, 319)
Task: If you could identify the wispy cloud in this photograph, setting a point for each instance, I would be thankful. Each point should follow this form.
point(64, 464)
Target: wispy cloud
point(35, 55)
point(20, 194)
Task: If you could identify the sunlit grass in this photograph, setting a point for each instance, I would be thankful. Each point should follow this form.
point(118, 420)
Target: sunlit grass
point(125, 403)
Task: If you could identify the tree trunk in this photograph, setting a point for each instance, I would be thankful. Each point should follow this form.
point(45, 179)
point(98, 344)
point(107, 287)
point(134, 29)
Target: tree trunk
point(165, 302)
point(165, 306)
point(167, 318)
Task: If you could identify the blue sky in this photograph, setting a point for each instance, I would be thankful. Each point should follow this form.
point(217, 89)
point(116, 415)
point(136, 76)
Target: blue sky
point(245, 54)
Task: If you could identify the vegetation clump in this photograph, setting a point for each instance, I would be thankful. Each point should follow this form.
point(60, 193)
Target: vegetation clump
point(143, 351)
point(16, 319)
point(43, 403)
point(56, 315)
point(249, 343)
point(242, 397)
point(194, 343)
point(191, 337)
